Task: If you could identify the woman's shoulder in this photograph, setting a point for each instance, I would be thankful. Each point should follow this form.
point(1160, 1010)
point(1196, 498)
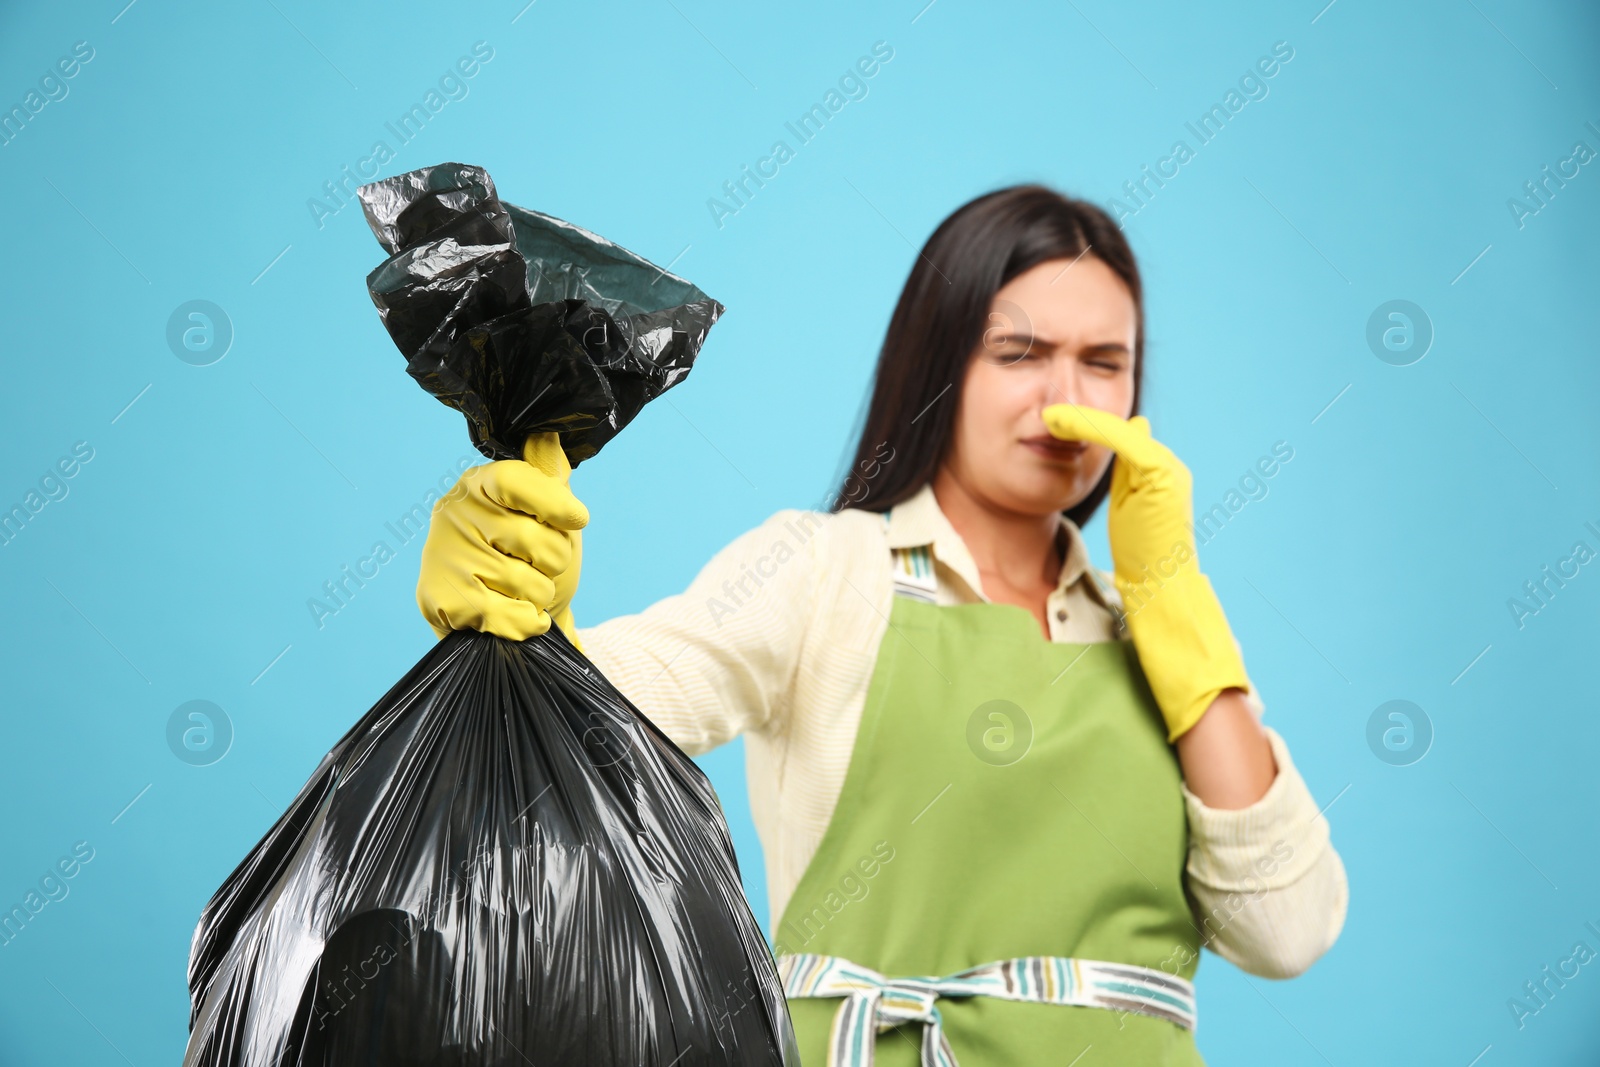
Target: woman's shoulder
point(846, 581)
point(827, 558)
point(824, 534)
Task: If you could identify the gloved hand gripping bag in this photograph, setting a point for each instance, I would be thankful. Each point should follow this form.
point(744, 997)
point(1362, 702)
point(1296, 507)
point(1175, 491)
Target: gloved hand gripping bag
point(503, 862)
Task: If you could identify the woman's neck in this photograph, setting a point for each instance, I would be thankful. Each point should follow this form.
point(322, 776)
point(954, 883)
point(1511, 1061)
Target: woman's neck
point(1018, 556)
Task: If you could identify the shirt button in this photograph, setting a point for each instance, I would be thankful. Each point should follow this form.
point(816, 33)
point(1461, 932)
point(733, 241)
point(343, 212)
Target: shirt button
point(1061, 614)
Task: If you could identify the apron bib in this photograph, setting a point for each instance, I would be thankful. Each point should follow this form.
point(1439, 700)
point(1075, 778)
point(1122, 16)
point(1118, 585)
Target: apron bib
point(1001, 882)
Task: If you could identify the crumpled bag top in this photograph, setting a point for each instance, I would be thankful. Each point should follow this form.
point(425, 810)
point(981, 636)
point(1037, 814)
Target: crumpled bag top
point(521, 321)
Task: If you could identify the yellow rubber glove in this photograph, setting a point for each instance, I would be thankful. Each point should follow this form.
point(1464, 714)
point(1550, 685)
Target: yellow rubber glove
point(504, 550)
point(1185, 646)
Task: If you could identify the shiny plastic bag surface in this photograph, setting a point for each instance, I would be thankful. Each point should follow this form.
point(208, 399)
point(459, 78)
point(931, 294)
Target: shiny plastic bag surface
point(475, 285)
point(503, 862)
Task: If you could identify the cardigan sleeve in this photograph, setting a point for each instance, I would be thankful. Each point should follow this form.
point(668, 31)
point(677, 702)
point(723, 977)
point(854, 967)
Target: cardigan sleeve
point(1268, 889)
point(718, 659)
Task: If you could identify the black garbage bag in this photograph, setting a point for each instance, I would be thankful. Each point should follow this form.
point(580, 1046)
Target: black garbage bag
point(503, 862)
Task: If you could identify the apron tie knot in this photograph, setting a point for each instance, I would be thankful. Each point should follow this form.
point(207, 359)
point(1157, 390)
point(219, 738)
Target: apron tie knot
point(873, 1002)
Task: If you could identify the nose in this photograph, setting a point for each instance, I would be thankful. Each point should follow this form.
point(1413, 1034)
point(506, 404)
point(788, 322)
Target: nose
point(1061, 383)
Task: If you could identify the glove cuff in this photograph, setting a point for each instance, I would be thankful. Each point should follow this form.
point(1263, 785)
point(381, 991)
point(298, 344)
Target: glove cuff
point(1185, 647)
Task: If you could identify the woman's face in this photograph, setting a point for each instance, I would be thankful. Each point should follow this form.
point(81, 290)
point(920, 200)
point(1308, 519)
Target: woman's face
point(1061, 332)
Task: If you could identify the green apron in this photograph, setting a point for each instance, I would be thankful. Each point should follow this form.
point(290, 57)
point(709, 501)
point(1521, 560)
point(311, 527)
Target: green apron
point(1007, 798)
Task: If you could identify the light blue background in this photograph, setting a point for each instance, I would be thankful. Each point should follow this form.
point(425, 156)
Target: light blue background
point(1379, 167)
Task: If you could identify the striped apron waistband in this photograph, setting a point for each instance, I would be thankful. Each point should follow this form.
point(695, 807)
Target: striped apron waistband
point(873, 1002)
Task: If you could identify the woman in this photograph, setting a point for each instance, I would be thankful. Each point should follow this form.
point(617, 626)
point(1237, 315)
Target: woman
point(1004, 798)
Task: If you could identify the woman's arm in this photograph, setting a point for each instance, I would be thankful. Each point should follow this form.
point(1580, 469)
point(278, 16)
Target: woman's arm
point(1268, 889)
point(709, 663)
point(1227, 761)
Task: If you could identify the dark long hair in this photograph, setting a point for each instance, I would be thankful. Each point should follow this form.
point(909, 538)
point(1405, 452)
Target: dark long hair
point(940, 318)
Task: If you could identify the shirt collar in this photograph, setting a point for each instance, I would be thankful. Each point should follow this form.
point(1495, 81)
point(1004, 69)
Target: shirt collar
point(919, 521)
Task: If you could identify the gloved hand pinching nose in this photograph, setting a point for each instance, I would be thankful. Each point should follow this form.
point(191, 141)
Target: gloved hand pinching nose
point(1185, 645)
point(504, 547)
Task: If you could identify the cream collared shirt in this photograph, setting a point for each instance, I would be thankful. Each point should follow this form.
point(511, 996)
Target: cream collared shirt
point(776, 639)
